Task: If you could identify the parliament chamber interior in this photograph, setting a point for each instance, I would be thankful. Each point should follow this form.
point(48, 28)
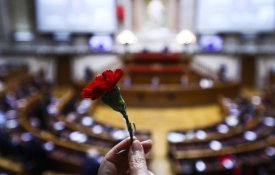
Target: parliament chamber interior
point(199, 81)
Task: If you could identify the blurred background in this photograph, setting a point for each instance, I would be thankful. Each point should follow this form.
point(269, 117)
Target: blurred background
point(199, 81)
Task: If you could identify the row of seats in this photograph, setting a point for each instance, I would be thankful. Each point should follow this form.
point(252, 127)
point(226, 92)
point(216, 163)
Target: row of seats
point(168, 68)
point(236, 119)
point(244, 139)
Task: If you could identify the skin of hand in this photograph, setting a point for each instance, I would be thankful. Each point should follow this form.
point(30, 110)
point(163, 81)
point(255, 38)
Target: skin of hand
point(126, 158)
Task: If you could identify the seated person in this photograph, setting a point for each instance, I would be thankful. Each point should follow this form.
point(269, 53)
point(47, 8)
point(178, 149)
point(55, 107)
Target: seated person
point(88, 74)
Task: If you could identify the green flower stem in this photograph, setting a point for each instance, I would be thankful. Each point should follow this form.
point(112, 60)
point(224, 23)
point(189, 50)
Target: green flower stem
point(129, 126)
point(114, 99)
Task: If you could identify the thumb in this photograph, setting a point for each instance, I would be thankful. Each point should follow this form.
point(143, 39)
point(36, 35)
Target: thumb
point(137, 161)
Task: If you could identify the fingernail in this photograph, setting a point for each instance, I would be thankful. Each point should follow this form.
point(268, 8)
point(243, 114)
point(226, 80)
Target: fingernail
point(136, 146)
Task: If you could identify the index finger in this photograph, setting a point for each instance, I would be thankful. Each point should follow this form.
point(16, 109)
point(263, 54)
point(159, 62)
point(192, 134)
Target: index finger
point(123, 145)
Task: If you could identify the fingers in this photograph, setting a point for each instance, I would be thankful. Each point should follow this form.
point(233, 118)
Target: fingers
point(147, 145)
point(121, 150)
point(107, 168)
point(137, 161)
point(112, 154)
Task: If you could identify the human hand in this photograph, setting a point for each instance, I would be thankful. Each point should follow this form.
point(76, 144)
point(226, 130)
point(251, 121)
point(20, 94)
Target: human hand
point(125, 158)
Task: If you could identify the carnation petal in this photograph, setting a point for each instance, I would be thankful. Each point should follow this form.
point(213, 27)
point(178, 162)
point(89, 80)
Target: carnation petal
point(109, 77)
point(117, 75)
point(97, 92)
point(102, 83)
point(86, 93)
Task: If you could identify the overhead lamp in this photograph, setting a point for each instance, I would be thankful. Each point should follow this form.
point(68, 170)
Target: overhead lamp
point(200, 165)
point(222, 128)
point(215, 145)
point(228, 163)
point(11, 124)
point(26, 136)
point(126, 37)
point(97, 129)
point(49, 146)
point(231, 121)
point(250, 135)
point(270, 151)
point(119, 134)
point(87, 121)
point(58, 126)
point(186, 37)
point(175, 137)
point(269, 121)
point(78, 137)
point(201, 134)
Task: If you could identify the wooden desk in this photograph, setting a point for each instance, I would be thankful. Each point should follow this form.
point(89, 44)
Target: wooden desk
point(144, 95)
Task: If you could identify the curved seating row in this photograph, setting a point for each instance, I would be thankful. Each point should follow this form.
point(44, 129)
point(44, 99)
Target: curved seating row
point(254, 141)
point(18, 91)
point(234, 122)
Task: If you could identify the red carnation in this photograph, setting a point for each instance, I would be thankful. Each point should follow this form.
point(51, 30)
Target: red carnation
point(101, 84)
point(104, 87)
